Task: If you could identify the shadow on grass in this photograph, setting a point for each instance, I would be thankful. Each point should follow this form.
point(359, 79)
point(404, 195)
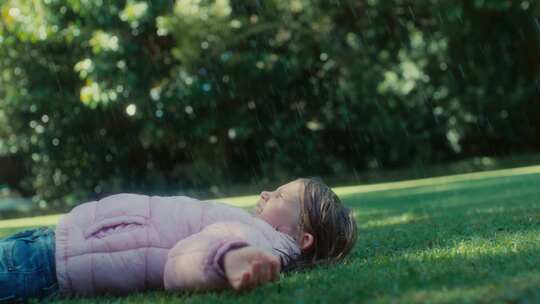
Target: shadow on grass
point(501, 276)
point(438, 218)
point(410, 240)
point(419, 228)
point(488, 255)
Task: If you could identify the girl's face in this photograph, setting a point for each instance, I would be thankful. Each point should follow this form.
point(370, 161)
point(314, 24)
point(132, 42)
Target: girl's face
point(281, 208)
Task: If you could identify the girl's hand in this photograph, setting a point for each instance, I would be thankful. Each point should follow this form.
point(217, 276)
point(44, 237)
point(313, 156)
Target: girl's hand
point(249, 267)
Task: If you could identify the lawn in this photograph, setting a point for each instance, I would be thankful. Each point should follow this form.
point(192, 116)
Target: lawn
point(463, 238)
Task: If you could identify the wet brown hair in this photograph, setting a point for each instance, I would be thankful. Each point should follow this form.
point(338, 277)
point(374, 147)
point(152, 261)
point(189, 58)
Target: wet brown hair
point(332, 225)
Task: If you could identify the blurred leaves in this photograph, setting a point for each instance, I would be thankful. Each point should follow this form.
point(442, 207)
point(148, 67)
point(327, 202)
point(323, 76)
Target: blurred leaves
point(101, 97)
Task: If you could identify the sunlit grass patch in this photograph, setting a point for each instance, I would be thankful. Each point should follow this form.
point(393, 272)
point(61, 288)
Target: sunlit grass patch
point(46, 220)
point(404, 218)
point(443, 180)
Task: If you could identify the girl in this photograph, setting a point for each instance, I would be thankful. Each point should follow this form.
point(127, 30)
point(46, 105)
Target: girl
point(129, 242)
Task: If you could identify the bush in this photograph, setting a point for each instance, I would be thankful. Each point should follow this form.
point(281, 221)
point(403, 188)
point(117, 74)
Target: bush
point(160, 95)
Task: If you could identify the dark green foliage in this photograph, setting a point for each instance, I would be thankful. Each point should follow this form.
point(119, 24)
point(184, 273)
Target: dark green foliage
point(231, 91)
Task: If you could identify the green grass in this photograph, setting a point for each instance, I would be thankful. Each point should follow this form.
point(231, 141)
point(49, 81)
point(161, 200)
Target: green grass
point(467, 238)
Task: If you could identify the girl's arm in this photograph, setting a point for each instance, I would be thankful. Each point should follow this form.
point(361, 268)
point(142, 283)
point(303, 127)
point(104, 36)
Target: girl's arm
point(199, 261)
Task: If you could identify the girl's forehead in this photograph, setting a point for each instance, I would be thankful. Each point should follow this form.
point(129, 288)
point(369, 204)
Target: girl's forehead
point(288, 185)
point(292, 187)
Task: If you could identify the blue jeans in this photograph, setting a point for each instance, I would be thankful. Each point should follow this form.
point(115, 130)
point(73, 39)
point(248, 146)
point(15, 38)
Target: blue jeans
point(27, 266)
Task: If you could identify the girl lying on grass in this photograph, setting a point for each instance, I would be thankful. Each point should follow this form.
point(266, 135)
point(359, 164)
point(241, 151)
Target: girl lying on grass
point(128, 242)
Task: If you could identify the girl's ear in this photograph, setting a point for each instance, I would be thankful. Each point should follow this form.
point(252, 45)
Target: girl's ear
point(306, 242)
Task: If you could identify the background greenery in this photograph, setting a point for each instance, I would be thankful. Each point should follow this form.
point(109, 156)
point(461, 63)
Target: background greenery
point(101, 96)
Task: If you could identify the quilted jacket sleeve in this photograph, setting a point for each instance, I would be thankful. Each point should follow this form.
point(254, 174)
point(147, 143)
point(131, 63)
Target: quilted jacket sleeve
point(194, 262)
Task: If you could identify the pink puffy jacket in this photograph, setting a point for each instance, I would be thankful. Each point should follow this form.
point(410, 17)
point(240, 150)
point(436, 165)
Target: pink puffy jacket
point(131, 242)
